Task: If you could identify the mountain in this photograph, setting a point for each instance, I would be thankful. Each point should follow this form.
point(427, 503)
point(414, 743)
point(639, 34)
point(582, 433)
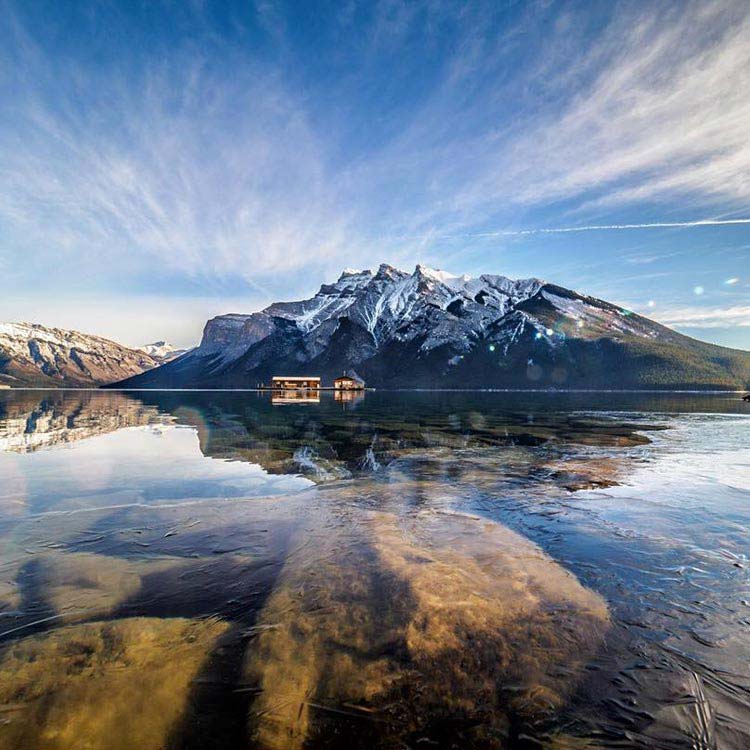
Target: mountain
point(37, 356)
point(162, 351)
point(431, 329)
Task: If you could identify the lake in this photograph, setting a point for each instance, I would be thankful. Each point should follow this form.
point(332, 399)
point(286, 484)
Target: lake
point(383, 570)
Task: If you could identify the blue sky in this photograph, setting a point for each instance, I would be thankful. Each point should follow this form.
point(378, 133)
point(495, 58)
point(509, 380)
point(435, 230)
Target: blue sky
point(163, 162)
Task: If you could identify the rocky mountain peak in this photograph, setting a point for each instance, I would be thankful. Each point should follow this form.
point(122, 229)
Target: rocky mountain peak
point(389, 273)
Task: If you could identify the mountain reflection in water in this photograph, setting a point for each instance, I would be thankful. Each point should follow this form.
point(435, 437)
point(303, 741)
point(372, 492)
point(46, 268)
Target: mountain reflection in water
point(205, 570)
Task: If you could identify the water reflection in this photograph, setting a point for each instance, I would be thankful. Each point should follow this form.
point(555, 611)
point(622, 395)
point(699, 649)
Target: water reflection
point(349, 397)
point(450, 570)
point(294, 396)
point(30, 422)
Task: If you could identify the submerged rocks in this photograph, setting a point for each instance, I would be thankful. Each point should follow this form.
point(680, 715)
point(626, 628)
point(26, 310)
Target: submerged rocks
point(115, 685)
point(440, 626)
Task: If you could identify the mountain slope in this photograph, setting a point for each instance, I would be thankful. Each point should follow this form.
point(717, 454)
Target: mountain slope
point(434, 330)
point(37, 356)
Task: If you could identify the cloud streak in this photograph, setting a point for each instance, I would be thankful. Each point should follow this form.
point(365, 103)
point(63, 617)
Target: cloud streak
point(706, 317)
point(589, 228)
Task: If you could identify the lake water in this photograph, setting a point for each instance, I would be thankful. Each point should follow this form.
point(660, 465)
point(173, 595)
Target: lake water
point(394, 570)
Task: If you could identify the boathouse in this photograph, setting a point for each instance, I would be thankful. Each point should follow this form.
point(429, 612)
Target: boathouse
point(292, 382)
point(349, 382)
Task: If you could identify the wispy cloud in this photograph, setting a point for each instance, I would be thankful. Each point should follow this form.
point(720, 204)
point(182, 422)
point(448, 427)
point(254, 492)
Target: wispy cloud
point(668, 108)
point(656, 109)
point(705, 317)
point(174, 166)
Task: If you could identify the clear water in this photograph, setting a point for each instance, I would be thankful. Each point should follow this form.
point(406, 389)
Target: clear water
point(471, 570)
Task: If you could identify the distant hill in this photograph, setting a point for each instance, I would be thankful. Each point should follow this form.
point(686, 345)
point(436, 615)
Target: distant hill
point(37, 356)
point(430, 329)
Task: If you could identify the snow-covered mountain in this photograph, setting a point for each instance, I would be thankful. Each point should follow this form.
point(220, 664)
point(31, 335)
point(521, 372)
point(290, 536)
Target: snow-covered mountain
point(389, 305)
point(429, 328)
point(34, 355)
point(162, 351)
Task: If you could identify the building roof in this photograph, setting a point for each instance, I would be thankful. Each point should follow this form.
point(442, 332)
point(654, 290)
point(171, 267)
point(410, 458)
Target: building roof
point(296, 377)
point(350, 375)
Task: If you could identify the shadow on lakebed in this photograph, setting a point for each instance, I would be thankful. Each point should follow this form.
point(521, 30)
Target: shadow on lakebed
point(377, 628)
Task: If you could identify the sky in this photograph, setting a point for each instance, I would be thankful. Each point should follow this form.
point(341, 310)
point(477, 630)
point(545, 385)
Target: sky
point(165, 162)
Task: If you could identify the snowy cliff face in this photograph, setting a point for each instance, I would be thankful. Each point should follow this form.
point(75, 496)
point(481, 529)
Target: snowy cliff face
point(32, 354)
point(429, 328)
point(389, 305)
point(230, 336)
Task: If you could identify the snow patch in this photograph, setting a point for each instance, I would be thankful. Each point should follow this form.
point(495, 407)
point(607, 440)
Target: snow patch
point(452, 281)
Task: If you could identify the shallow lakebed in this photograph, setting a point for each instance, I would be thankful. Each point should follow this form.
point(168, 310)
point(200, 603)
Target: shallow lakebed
point(393, 570)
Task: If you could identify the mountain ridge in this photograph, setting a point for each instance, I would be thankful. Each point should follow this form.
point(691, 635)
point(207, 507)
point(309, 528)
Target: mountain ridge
point(33, 355)
point(432, 329)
